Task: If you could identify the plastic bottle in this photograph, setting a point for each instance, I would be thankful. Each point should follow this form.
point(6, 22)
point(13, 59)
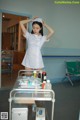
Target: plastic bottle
point(35, 73)
point(34, 106)
point(48, 85)
point(43, 84)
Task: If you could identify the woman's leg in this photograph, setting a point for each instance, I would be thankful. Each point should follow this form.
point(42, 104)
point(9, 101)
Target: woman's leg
point(28, 71)
point(26, 68)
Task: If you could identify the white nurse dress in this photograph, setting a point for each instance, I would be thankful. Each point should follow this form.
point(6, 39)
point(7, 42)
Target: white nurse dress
point(33, 58)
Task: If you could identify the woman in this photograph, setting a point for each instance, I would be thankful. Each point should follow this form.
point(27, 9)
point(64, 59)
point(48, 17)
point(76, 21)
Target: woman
point(35, 40)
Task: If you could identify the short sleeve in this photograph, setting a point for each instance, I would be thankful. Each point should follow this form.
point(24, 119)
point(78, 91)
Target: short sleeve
point(26, 35)
point(45, 38)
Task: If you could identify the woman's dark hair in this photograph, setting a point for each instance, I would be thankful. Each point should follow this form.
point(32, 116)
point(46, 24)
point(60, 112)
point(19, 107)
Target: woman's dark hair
point(41, 26)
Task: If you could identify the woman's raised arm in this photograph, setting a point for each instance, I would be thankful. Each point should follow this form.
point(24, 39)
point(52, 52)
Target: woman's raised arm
point(23, 22)
point(50, 30)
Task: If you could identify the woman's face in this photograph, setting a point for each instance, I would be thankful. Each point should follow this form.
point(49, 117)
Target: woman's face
point(36, 28)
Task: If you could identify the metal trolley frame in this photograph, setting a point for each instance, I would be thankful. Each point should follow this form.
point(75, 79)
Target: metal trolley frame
point(18, 95)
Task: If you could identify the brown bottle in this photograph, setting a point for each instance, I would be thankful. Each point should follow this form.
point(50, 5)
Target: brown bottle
point(39, 75)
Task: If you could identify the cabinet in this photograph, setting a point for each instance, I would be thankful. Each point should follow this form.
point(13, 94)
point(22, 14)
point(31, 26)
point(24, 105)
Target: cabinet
point(6, 62)
point(13, 30)
point(6, 41)
point(18, 42)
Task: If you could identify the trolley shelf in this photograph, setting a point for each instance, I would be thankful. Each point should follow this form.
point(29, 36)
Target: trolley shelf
point(29, 96)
